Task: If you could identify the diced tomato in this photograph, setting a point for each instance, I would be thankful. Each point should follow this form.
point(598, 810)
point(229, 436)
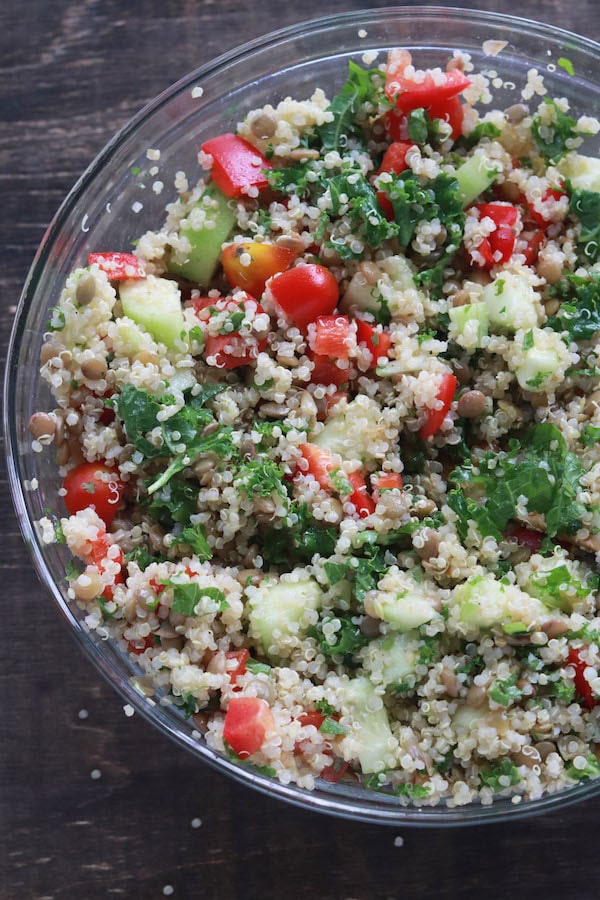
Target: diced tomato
point(499, 245)
point(235, 348)
point(331, 337)
point(325, 371)
point(144, 645)
point(377, 340)
point(200, 303)
point(394, 160)
point(406, 93)
point(237, 165)
point(529, 245)
point(386, 481)
point(537, 217)
point(335, 771)
point(435, 417)
point(265, 260)
point(248, 720)
point(156, 586)
point(118, 266)
point(362, 500)
point(305, 292)
point(312, 717)
point(240, 658)
point(98, 557)
point(582, 685)
point(451, 111)
point(528, 537)
point(93, 485)
point(320, 464)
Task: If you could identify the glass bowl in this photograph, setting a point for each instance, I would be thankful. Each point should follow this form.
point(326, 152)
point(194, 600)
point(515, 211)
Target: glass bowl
point(108, 208)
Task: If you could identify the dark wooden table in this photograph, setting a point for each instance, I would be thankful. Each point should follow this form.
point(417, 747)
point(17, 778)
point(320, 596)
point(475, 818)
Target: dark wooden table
point(156, 822)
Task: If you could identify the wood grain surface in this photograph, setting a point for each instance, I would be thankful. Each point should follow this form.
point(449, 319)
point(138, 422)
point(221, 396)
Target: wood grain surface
point(156, 822)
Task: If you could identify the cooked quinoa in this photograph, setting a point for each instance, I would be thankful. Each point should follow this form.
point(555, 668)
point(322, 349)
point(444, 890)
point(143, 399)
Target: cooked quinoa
point(328, 440)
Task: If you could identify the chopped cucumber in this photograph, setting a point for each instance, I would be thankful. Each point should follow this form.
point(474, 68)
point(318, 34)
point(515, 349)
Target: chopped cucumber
point(361, 295)
point(511, 301)
point(354, 431)
point(154, 303)
point(404, 611)
point(537, 368)
point(215, 219)
point(582, 171)
point(558, 583)
point(391, 660)
point(370, 728)
point(129, 338)
point(277, 613)
point(469, 325)
point(475, 176)
point(482, 602)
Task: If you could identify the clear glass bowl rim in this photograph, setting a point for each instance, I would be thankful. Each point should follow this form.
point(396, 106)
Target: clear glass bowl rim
point(373, 811)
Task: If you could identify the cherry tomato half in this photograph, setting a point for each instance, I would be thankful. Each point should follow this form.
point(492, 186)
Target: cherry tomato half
point(305, 292)
point(93, 485)
point(265, 260)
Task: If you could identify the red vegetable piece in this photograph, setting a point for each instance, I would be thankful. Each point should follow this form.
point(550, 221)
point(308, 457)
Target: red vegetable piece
point(335, 771)
point(99, 557)
point(236, 664)
point(528, 537)
point(451, 111)
point(394, 160)
point(141, 647)
point(325, 371)
point(499, 245)
point(386, 481)
point(266, 260)
point(406, 93)
point(320, 464)
point(248, 720)
point(378, 341)
point(229, 351)
point(305, 292)
point(237, 165)
point(118, 266)
point(435, 417)
point(360, 497)
point(93, 485)
point(331, 337)
point(312, 717)
point(582, 685)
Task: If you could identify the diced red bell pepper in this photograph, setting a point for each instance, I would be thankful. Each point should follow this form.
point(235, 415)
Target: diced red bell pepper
point(499, 245)
point(312, 717)
point(237, 165)
point(248, 720)
point(229, 351)
point(377, 341)
point(537, 217)
point(236, 664)
point(451, 111)
point(118, 266)
point(331, 337)
point(582, 685)
point(529, 245)
point(406, 93)
point(141, 647)
point(325, 371)
point(435, 417)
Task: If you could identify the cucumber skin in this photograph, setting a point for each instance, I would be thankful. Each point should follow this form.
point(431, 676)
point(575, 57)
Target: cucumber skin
point(206, 243)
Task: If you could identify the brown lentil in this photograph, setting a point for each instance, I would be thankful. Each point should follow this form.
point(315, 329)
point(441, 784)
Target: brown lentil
point(471, 404)
point(42, 424)
point(263, 126)
point(431, 543)
point(94, 368)
point(86, 289)
point(516, 113)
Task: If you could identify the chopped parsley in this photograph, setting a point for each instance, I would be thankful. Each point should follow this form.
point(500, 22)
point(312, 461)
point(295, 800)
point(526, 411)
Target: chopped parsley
point(195, 536)
point(579, 314)
point(585, 206)
point(539, 468)
point(358, 89)
point(260, 477)
point(505, 692)
point(500, 775)
point(591, 769)
point(331, 726)
point(186, 598)
point(552, 137)
point(346, 641)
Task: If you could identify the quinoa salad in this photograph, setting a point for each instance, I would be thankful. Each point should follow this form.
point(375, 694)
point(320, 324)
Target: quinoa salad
point(327, 439)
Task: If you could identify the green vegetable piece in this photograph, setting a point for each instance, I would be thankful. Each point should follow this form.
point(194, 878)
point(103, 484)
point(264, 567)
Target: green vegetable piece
point(552, 137)
point(205, 243)
point(501, 775)
point(346, 641)
point(475, 176)
point(187, 596)
point(590, 770)
point(155, 304)
point(505, 692)
point(370, 727)
point(358, 89)
point(277, 613)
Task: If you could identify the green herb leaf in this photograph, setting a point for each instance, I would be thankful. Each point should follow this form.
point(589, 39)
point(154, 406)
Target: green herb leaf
point(330, 726)
point(256, 667)
point(186, 598)
point(551, 139)
point(505, 692)
point(195, 536)
point(347, 640)
point(591, 770)
point(585, 206)
point(358, 89)
point(501, 775)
